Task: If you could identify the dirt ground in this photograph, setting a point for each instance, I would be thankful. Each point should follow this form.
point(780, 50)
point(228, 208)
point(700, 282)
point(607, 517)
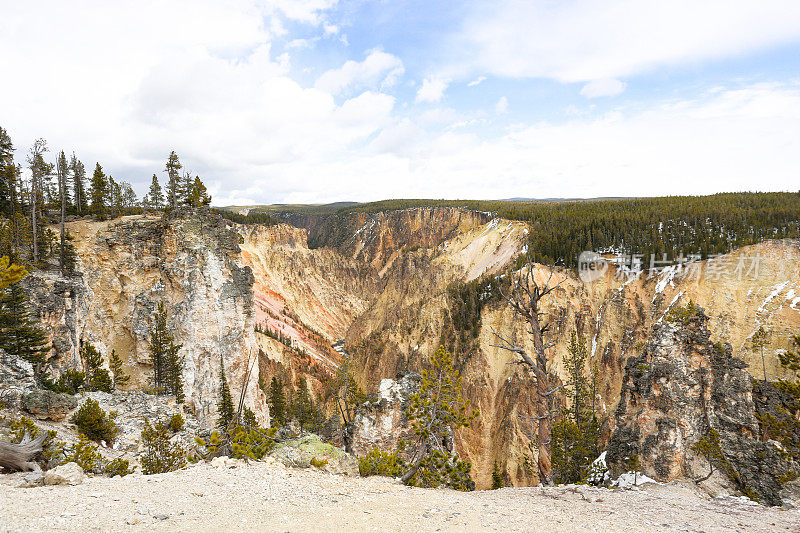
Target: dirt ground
point(269, 497)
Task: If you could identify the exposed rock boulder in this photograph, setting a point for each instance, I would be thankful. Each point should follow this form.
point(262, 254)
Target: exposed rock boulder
point(381, 423)
point(16, 378)
point(679, 388)
point(68, 474)
point(191, 261)
point(61, 304)
point(134, 407)
point(310, 451)
point(49, 405)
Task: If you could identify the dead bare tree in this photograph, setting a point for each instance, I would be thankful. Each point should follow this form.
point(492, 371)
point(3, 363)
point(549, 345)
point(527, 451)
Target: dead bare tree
point(524, 297)
point(17, 457)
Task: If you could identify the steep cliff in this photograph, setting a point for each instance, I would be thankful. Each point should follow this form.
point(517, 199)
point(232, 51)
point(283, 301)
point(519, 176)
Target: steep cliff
point(384, 291)
point(679, 390)
point(129, 265)
point(613, 314)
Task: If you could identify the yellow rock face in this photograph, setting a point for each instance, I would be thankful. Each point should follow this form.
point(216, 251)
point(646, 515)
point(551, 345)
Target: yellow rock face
point(384, 291)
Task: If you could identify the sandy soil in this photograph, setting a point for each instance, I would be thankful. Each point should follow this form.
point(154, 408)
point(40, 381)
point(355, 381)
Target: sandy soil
point(269, 497)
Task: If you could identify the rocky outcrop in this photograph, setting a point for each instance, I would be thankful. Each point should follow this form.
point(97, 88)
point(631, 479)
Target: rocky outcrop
point(134, 407)
point(676, 392)
point(49, 405)
point(16, 378)
point(190, 261)
point(68, 474)
point(382, 423)
point(309, 450)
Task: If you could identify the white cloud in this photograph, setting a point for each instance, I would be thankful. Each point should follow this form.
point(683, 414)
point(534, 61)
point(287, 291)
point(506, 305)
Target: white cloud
point(432, 90)
point(501, 107)
point(476, 81)
point(586, 40)
point(735, 139)
point(605, 87)
point(204, 80)
point(378, 68)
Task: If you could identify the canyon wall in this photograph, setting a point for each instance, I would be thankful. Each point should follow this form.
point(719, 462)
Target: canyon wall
point(258, 293)
point(189, 261)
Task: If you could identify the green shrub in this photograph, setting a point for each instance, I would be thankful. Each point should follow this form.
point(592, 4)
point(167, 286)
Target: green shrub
point(212, 445)
point(251, 443)
point(380, 463)
point(683, 315)
point(318, 463)
point(160, 453)
point(497, 478)
point(118, 467)
point(176, 423)
point(94, 423)
point(85, 454)
point(70, 382)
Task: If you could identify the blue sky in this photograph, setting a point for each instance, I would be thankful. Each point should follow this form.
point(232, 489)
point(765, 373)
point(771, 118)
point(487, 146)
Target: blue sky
point(319, 100)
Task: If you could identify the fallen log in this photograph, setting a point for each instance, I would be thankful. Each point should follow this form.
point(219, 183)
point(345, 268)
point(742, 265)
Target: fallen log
point(17, 457)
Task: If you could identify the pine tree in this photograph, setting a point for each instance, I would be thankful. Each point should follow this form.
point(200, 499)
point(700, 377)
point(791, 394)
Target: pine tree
point(40, 171)
point(63, 192)
point(10, 272)
point(435, 412)
point(346, 391)
point(173, 180)
point(97, 377)
point(576, 437)
point(156, 197)
point(198, 194)
point(225, 408)
point(165, 356)
point(63, 170)
point(6, 172)
point(186, 186)
point(308, 415)
point(120, 377)
point(757, 343)
point(127, 196)
point(111, 199)
point(70, 256)
point(277, 403)
point(11, 196)
point(497, 478)
point(78, 183)
point(174, 371)
point(99, 193)
point(20, 334)
point(161, 453)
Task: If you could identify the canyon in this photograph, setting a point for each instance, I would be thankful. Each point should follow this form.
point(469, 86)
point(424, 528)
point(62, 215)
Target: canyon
point(379, 293)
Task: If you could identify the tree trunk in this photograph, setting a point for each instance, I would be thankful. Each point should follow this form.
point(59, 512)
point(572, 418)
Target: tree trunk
point(544, 433)
point(33, 219)
point(415, 466)
point(17, 457)
point(62, 188)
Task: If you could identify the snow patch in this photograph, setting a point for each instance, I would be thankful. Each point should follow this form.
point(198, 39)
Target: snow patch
point(667, 275)
point(776, 290)
point(677, 297)
point(490, 226)
point(632, 479)
point(598, 471)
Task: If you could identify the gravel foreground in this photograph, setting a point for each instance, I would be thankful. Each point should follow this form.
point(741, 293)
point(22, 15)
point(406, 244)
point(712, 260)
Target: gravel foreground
point(270, 497)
